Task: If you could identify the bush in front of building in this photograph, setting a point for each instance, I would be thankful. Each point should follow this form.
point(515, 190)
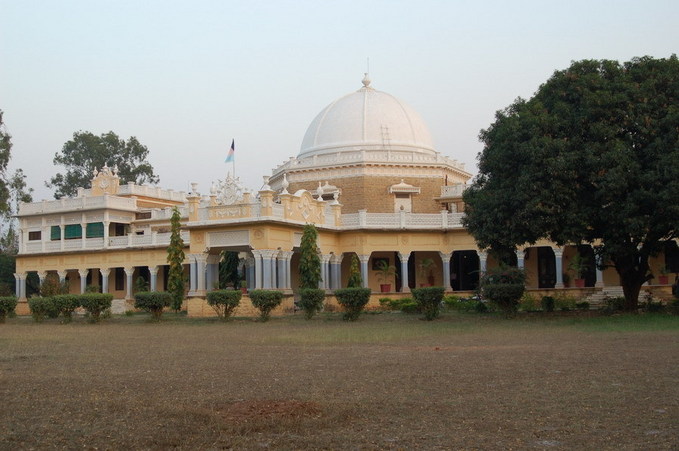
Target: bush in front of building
point(153, 302)
point(547, 303)
point(265, 301)
point(504, 286)
point(224, 302)
point(40, 307)
point(311, 301)
point(429, 299)
point(7, 306)
point(66, 304)
point(95, 304)
point(353, 300)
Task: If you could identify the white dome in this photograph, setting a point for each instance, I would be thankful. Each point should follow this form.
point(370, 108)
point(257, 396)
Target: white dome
point(366, 120)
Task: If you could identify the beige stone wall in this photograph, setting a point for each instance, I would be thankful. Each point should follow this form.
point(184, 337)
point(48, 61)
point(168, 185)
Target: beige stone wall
point(199, 308)
point(372, 193)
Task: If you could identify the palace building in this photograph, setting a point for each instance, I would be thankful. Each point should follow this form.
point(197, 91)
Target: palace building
point(367, 175)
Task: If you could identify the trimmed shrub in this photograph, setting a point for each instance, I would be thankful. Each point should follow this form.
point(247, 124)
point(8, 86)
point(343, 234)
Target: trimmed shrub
point(265, 301)
point(7, 306)
point(584, 305)
point(95, 304)
point(564, 302)
point(153, 302)
point(224, 302)
point(613, 304)
point(40, 307)
point(311, 301)
point(547, 303)
point(429, 299)
point(480, 307)
point(66, 305)
point(459, 304)
point(529, 303)
point(504, 286)
point(353, 300)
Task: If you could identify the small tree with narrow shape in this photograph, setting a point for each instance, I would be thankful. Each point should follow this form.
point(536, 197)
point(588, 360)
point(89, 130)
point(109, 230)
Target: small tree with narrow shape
point(175, 258)
point(355, 279)
point(311, 297)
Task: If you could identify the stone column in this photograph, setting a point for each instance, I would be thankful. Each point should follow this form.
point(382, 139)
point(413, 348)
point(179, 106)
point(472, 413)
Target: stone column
point(483, 259)
point(62, 276)
point(106, 233)
point(153, 283)
point(266, 263)
point(287, 255)
point(104, 279)
point(325, 272)
point(250, 269)
point(364, 269)
point(281, 269)
point(83, 237)
point(520, 259)
point(129, 273)
point(20, 289)
point(558, 257)
point(336, 269)
point(201, 259)
point(404, 257)
point(258, 269)
point(445, 259)
point(599, 272)
point(193, 275)
point(42, 275)
point(83, 279)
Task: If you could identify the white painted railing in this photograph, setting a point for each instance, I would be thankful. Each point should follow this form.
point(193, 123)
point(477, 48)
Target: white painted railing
point(453, 190)
point(114, 242)
point(77, 203)
point(402, 220)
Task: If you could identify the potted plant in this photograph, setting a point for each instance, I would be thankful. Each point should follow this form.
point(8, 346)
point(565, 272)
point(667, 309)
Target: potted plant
point(663, 278)
point(426, 268)
point(566, 280)
point(384, 274)
point(244, 286)
point(579, 266)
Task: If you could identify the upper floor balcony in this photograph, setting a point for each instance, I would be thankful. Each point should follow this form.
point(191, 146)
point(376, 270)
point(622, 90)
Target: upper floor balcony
point(149, 240)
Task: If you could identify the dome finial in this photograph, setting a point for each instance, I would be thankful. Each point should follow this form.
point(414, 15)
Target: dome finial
point(366, 80)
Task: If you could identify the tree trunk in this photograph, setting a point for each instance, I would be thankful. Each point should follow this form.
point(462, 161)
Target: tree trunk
point(633, 272)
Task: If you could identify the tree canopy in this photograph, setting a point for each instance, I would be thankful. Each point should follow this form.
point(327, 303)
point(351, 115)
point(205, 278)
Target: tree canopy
point(13, 190)
point(592, 157)
point(309, 262)
point(86, 151)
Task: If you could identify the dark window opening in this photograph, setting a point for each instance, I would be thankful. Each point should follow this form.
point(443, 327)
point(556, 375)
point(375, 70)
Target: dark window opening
point(34, 236)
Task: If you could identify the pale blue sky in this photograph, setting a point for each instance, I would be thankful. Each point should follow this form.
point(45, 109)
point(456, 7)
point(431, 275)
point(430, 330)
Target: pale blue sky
point(186, 77)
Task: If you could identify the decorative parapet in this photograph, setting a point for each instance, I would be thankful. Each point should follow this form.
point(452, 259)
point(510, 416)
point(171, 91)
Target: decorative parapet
point(401, 220)
point(77, 203)
point(367, 156)
point(453, 191)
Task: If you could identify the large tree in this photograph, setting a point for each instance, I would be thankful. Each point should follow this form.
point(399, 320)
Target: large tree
point(592, 157)
point(175, 259)
point(86, 151)
point(13, 191)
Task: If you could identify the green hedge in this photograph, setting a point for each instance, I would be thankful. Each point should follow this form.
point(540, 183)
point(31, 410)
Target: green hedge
point(153, 302)
point(429, 299)
point(353, 300)
point(504, 295)
point(265, 301)
point(95, 303)
point(40, 307)
point(66, 305)
point(311, 301)
point(7, 306)
point(224, 301)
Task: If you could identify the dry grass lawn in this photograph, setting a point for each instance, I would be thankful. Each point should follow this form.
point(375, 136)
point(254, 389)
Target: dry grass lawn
point(388, 381)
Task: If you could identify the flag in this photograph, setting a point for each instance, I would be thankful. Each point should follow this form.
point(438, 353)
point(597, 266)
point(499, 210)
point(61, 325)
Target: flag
point(229, 156)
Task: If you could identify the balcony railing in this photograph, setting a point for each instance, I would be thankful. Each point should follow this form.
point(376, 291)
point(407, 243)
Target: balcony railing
point(77, 203)
point(114, 242)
